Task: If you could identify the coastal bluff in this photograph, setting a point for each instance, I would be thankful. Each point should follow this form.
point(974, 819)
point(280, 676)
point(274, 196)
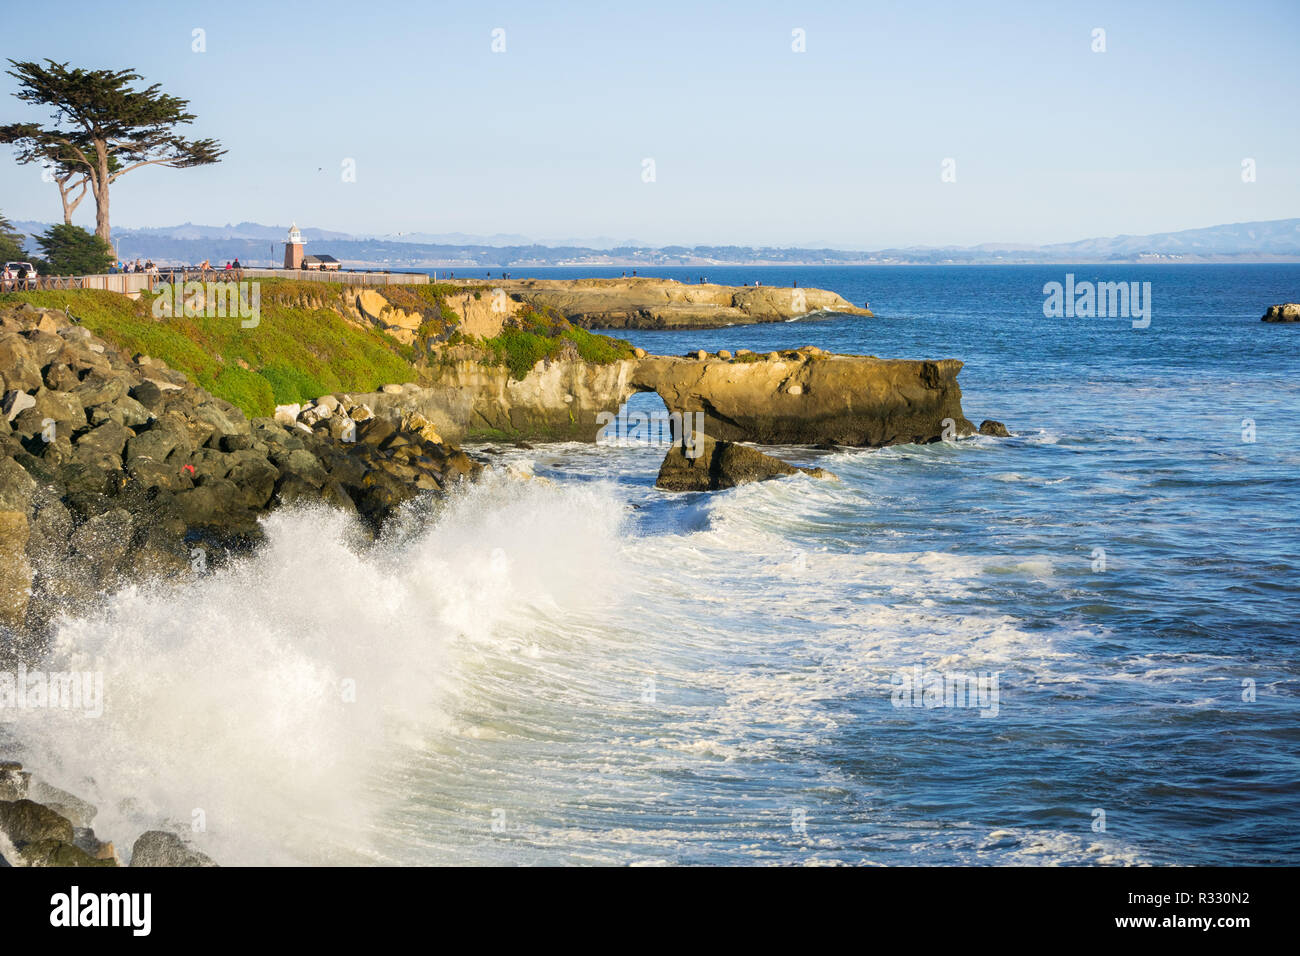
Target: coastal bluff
point(799, 397)
point(649, 303)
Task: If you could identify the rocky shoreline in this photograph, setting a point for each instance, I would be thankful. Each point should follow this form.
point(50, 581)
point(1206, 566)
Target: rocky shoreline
point(41, 825)
point(115, 468)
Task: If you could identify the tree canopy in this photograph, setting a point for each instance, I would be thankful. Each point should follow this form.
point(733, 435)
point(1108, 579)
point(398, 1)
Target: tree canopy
point(11, 242)
point(101, 127)
point(71, 250)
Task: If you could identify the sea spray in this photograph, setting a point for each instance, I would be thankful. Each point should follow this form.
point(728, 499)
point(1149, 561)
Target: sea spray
point(255, 704)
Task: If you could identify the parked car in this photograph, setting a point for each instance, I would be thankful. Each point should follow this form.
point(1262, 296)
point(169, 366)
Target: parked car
point(23, 273)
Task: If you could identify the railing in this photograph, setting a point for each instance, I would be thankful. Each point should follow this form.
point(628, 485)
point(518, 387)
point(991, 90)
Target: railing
point(130, 283)
point(125, 282)
point(341, 276)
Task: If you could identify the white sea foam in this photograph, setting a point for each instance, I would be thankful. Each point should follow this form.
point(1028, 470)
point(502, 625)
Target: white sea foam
point(230, 695)
point(523, 659)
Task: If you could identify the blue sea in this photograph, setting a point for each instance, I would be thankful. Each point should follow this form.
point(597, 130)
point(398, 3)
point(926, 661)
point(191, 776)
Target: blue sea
point(567, 666)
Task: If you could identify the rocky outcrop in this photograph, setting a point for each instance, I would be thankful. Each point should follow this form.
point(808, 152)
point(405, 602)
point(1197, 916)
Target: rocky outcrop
point(798, 397)
point(812, 397)
point(112, 467)
point(645, 303)
point(708, 465)
point(995, 429)
point(38, 835)
point(468, 398)
point(1286, 312)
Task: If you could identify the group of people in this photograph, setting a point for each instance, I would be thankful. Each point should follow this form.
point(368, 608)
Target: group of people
point(16, 278)
point(137, 266)
point(206, 266)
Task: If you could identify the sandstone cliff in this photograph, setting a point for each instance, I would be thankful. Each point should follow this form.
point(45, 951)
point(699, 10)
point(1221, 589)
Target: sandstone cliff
point(799, 397)
point(646, 303)
point(812, 397)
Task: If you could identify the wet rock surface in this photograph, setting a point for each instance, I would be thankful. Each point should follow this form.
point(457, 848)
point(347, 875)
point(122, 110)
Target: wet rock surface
point(722, 464)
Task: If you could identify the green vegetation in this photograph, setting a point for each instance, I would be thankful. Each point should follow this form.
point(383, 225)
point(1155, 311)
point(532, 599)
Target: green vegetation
point(11, 243)
point(545, 335)
point(303, 346)
point(101, 127)
point(72, 251)
point(296, 352)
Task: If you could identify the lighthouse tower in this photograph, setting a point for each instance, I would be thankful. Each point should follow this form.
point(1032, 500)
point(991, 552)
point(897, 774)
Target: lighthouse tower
point(293, 248)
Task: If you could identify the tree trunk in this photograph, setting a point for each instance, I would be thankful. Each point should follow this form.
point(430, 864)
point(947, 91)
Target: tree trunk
point(68, 205)
point(101, 194)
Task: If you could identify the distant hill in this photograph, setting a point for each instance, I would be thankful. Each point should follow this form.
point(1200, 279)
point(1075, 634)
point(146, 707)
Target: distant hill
point(256, 244)
point(1278, 237)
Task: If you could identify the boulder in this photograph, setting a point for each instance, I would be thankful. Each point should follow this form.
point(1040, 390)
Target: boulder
point(995, 429)
point(16, 402)
point(722, 464)
point(61, 853)
point(26, 821)
point(160, 848)
point(21, 370)
point(149, 395)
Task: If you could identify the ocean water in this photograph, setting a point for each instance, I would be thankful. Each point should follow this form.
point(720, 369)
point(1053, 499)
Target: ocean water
point(563, 665)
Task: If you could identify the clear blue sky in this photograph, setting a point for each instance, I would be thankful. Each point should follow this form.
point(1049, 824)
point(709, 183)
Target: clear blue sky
point(752, 143)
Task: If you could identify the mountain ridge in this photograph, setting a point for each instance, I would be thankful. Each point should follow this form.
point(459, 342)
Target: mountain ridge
point(255, 243)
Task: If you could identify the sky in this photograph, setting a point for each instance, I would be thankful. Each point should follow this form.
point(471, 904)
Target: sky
point(699, 122)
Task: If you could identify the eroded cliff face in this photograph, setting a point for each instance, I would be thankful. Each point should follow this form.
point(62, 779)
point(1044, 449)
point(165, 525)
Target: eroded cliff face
point(466, 399)
point(667, 304)
point(812, 397)
point(801, 397)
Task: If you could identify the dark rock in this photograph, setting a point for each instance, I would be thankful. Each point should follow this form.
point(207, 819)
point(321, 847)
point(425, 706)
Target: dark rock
point(996, 429)
point(26, 821)
point(149, 395)
point(99, 390)
point(60, 853)
point(104, 443)
point(159, 848)
point(722, 464)
point(21, 370)
point(376, 430)
point(60, 377)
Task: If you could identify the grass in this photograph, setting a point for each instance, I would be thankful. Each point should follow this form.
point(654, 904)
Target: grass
point(545, 335)
point(296, 352)
point(302, 347)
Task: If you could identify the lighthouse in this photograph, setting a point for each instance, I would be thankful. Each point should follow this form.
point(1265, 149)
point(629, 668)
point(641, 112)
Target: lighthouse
point(293, 248)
